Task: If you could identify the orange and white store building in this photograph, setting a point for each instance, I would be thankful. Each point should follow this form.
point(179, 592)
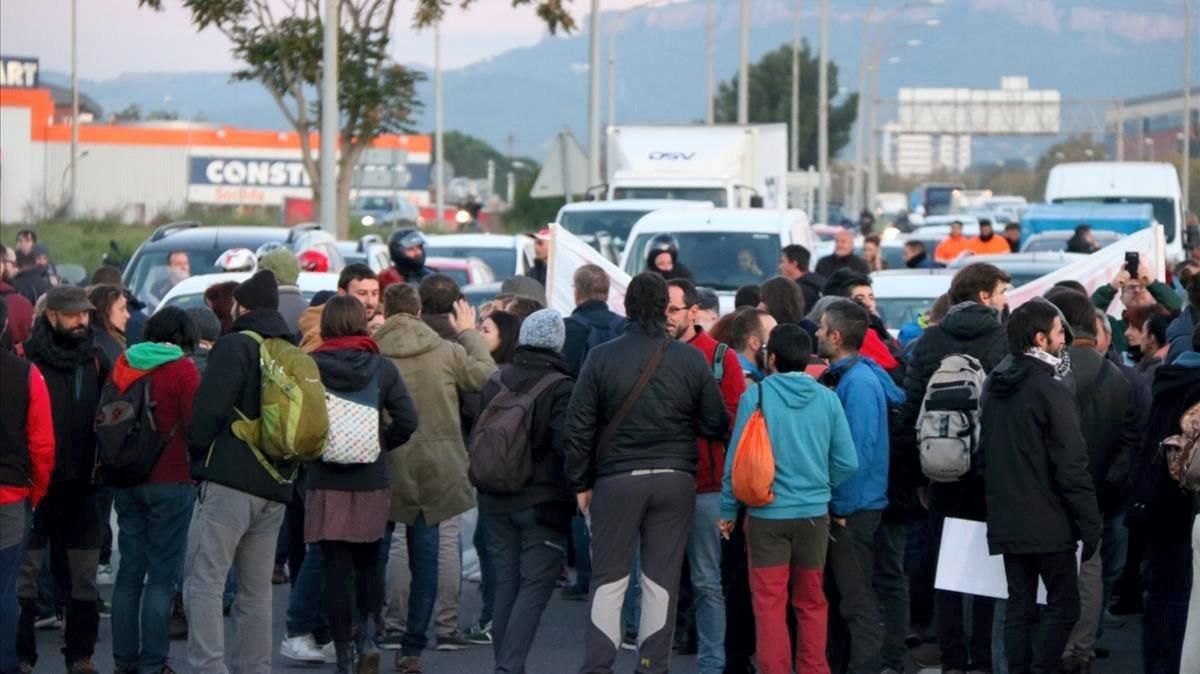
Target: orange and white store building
point(139, 172)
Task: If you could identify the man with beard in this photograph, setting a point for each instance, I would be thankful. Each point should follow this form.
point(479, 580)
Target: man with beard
point(987, 243)
point(64, 350)
point(407, 248)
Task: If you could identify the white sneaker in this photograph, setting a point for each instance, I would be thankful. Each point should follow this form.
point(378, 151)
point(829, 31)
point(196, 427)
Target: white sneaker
point(105, 575)
point(303, 649)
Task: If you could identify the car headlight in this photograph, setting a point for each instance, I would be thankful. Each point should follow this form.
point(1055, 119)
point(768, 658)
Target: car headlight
point(462, 217)
point(368, 221)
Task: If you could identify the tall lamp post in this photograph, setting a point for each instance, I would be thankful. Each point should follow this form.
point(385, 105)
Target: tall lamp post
point(71, 209)
point(873, 124)
point(329, 119)
point(1187, 104)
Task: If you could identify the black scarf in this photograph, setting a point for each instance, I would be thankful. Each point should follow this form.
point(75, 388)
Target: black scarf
point(58, 350)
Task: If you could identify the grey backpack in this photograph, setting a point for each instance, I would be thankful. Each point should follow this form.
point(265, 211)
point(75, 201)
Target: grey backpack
point(948, 426)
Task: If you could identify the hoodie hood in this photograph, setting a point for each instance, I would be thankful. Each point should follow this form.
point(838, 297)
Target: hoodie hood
point(1189, 359)
point(405, 336)
point(346, 370)
point(149, 355)
point(892, 393)
point(1012, 372)
point(970, 320)
point(792, 389)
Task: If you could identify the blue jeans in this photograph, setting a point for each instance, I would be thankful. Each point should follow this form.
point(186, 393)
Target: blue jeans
point(487, 570)
point(153, 521)
point(423, 564)
point(10, 570)
point(704, 558)
point(304, 614)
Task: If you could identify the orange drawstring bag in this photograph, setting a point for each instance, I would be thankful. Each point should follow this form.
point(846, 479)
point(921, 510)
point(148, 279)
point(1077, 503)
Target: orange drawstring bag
point(754, 461)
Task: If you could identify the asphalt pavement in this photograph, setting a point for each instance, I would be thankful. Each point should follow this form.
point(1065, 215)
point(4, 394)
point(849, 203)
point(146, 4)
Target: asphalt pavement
point(558, 649)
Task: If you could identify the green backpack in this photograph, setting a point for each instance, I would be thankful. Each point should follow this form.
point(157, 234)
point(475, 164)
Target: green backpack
point(293, 424)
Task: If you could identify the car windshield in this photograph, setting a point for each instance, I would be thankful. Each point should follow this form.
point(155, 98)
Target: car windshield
point(150, 279)
point(717, 260)
point(503, 261)
point(899, 311)
point(938, 200)
point(714, 194)
point(590, 223)
point(372, 204)
point(1164, 209)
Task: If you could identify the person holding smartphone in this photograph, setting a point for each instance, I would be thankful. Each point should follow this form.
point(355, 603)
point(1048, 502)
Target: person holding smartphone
point(1136, 284)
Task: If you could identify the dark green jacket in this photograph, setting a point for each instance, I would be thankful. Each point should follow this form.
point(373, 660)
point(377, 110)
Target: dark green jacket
point(1106, 293)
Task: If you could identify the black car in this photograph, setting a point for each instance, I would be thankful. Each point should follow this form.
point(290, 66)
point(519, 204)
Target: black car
point(147, 273)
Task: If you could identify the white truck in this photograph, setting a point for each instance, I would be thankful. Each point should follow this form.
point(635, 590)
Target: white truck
point(730, 166)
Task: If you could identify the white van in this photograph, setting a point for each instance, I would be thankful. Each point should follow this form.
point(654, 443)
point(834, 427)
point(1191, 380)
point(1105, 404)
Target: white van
point(1130, 182)
point(592, 220)
point(724, 248)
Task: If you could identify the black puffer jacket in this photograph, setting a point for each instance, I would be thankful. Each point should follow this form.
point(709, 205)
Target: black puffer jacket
point(233, 379)
point(349, 371)
point(74, 374)
point(680, 403)
point(1040, 497)
point(970, 328)
point(1159, 508)
point(1109, 415)
point(548, 490)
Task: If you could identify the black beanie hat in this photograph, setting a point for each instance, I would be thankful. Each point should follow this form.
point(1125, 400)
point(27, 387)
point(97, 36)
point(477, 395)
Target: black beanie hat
point(258, 292)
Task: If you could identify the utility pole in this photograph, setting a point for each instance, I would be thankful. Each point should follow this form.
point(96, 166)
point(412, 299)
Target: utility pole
point(1120, 130)
point(438, 115)
point(72, 209)
point(593, 116)
point(796, 90)
point(823, 120)
point(710, 103)
point(1187, 104)
point(329, 120)
point(612, 79)
point(872, 131)
point(860, 120)
point(743, 116)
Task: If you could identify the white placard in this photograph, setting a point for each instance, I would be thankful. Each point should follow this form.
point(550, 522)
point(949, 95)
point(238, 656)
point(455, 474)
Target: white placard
point(568, 253)
point(965, 565)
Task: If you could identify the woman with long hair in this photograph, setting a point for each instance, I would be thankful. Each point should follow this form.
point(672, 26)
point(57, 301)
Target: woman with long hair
point(349, 496)
point(219, 298)
point(783, 299)
point(500, 330)
point(110, 316)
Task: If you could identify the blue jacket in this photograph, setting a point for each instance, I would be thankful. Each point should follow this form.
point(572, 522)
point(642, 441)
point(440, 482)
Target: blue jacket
point(810, 440)
point(750, 368)
point(865, 390)
point(1179, 335)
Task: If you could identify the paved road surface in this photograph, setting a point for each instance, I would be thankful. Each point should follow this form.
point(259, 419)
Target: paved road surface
point(558, 649)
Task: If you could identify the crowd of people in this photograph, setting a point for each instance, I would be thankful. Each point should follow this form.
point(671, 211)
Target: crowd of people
point(340, 445)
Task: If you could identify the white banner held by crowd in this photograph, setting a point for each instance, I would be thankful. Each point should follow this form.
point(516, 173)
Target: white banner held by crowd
point(1100, 267)
point(568, 253)
point(966, 566)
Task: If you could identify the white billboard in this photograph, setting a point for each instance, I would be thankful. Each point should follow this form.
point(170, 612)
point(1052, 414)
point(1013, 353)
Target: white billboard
point(1013, 109)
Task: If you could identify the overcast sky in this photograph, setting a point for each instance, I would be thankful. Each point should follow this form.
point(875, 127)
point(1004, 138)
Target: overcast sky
point(115, 36)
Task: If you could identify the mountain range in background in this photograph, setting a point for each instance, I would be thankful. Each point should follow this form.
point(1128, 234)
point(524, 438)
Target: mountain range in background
point(1087, 49)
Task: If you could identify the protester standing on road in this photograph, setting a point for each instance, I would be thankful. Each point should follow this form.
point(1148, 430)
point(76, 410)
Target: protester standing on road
point(987, 243)
point(283, 264)
point(788, 538)
point(20, 309)
point(407, 250)
point(153, 516)
point(636, 451)
point(704, 549)
point(794, 261)
point(842, 257)
point(1040, 497)
point(1134, 292)
point(865, 391)
point(541, 255)
point(26, 461)
point(591, 323)
point(30, 280)
point(429, 472)
point(952, 246)
point(347, 502)
point(749, 332)
point(357, 281)
point(109, 319)
point(63, 347)
point(239, 505)
point(784, 300)
point(527, 531)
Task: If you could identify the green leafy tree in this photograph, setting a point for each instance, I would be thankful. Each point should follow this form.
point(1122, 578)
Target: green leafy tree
point(771, 99)
point(131, 113)
point(280, 47)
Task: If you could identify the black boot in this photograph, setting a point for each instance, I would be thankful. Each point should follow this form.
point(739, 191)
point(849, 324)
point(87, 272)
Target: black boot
point(345, 657)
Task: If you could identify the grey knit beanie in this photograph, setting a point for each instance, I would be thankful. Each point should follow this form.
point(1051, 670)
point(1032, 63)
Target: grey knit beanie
point(207, 322)
point(543, 330)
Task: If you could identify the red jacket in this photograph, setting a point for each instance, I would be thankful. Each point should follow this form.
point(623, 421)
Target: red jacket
point(172, 387)
point(710, 468)
point(20, 314)
point(39, 432)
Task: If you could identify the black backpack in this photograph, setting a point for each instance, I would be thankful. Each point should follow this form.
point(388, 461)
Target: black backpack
point(598, 334)
point(501, 461)
point(128, 443)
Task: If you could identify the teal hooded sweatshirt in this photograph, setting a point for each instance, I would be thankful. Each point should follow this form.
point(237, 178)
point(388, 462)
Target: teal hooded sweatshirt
point(810, 438)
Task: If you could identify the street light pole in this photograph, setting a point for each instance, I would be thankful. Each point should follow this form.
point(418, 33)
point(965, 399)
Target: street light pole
point(743, 116)
point(329, 119)
point(438, 123)
point(872, 147)
point(593, 116)
point(72, 209)
point(796, 90)
point(823, 120)
point(1187, 104)
point(710, 102)
point(860, 115)
point(612, 79)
